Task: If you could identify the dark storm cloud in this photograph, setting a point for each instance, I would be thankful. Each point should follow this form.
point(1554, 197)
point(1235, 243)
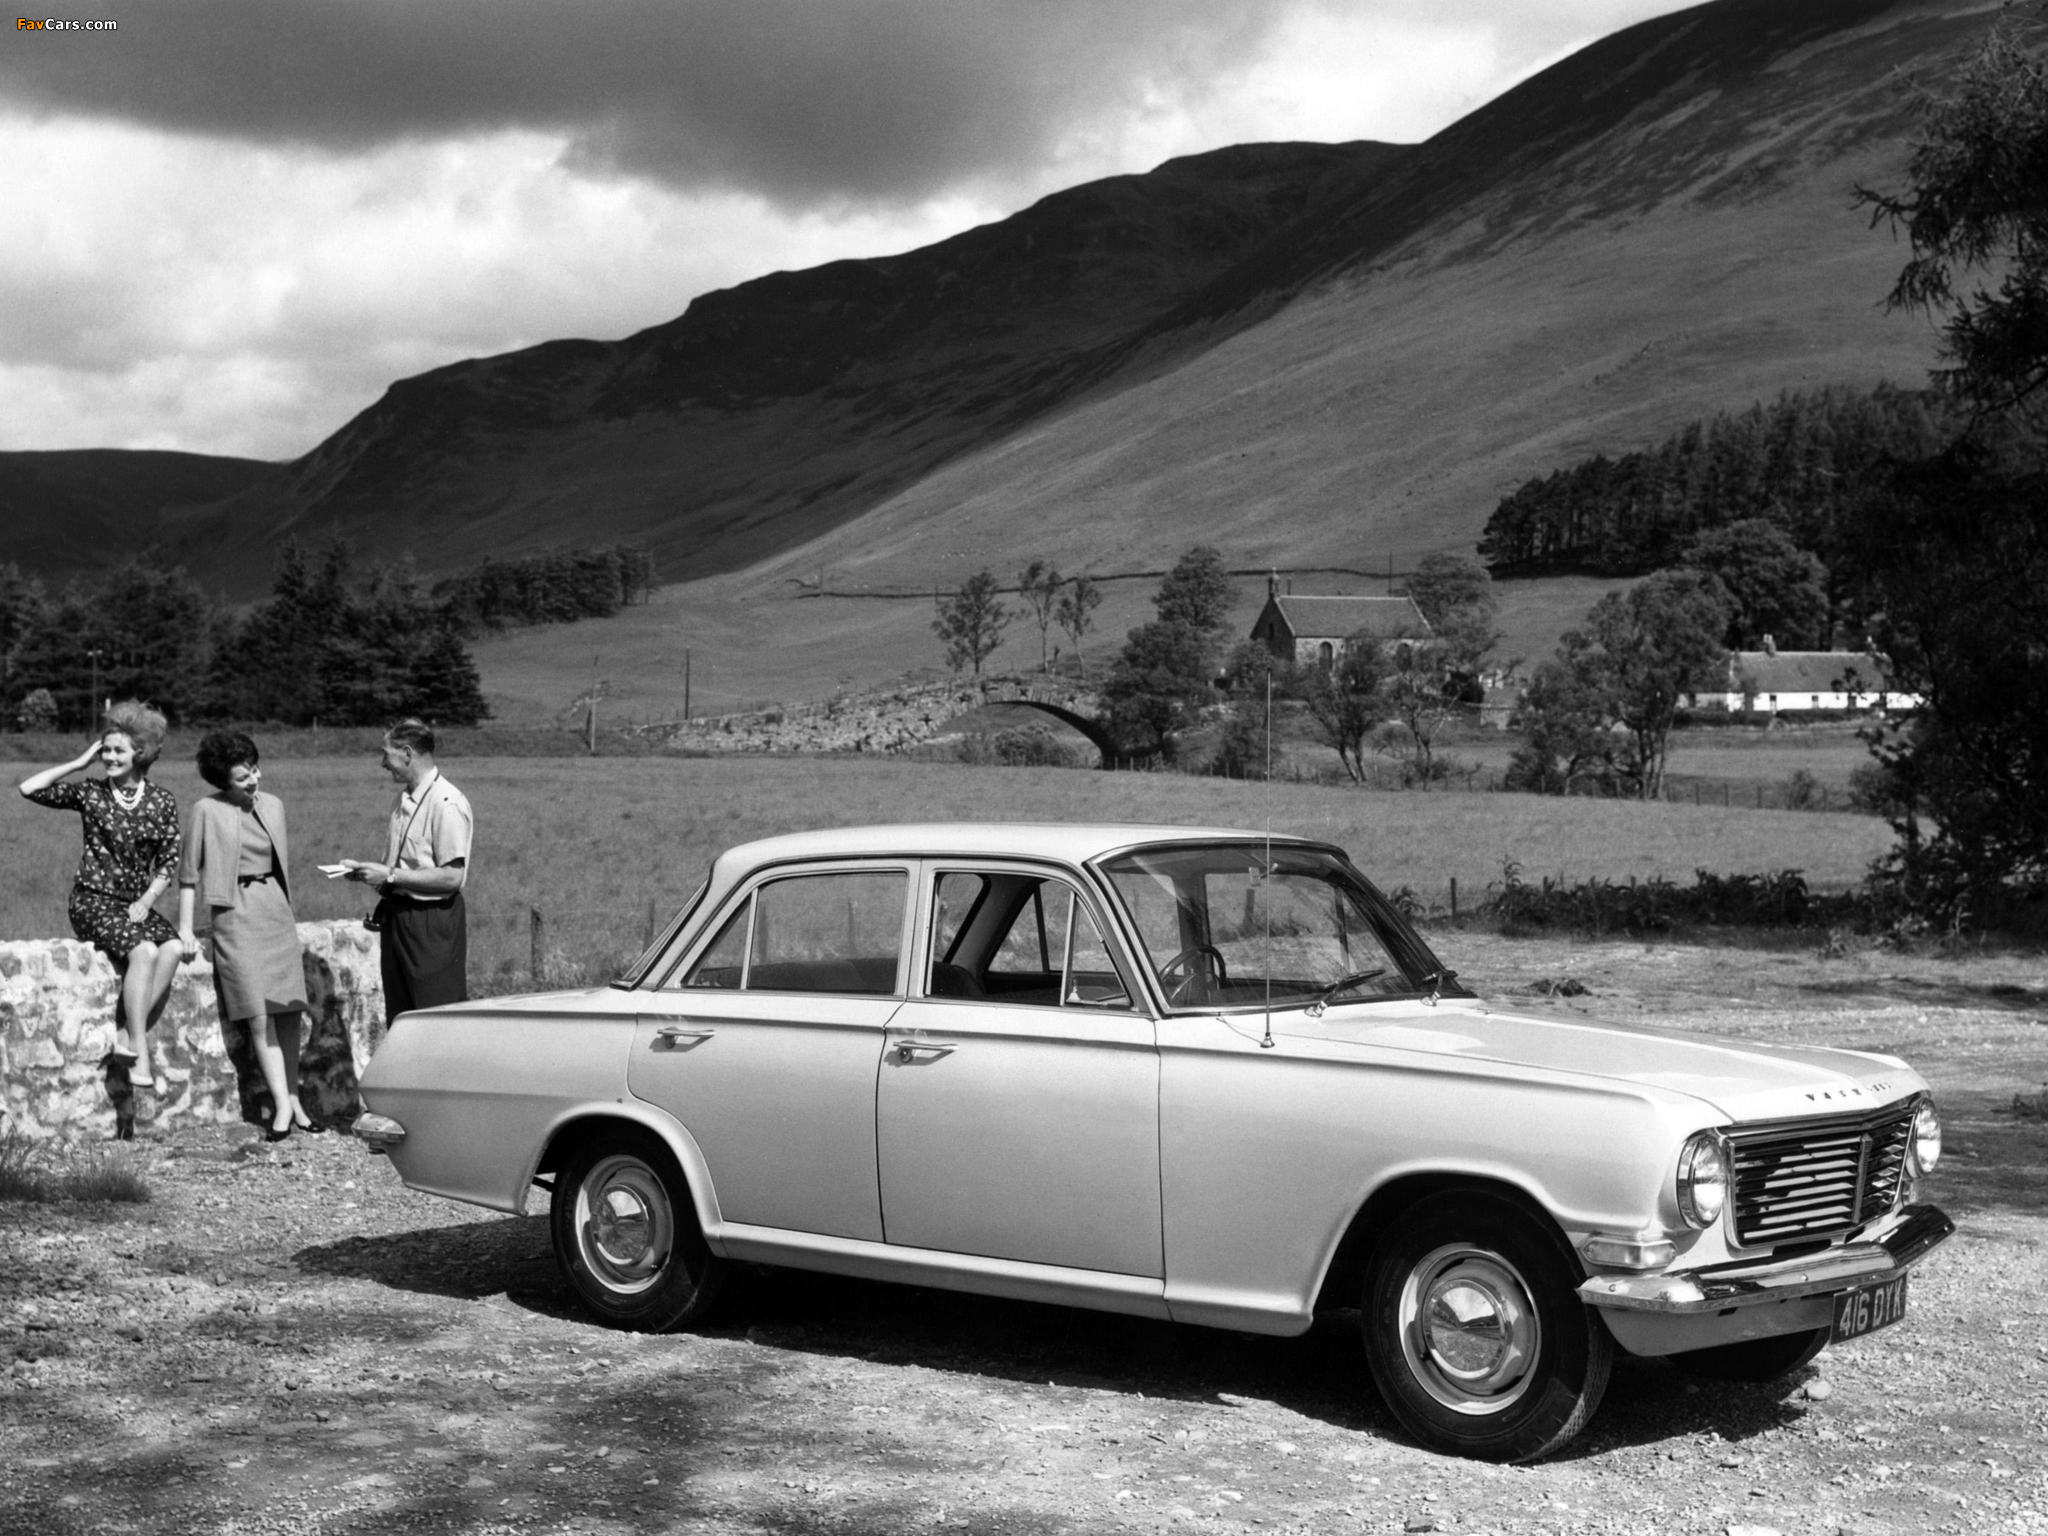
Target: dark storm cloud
point(806, 101)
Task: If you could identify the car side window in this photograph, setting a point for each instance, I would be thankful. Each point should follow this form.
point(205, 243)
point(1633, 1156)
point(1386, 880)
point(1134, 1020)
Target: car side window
point(1018, 938)
point(839, 932)
point(828, 933)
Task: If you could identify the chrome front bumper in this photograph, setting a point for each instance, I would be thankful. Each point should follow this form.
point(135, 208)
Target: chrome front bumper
point(1921, 1229)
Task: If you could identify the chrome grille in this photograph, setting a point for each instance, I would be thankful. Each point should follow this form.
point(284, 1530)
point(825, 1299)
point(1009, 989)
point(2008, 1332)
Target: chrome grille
point(1811, 1178)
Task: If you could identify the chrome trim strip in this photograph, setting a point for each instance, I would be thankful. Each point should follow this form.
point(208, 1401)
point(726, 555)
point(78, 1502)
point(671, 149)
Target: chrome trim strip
point(1140, 1295)
point(1923, 1229)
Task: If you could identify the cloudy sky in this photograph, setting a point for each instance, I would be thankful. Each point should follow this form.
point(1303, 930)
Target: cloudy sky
point(230, 223)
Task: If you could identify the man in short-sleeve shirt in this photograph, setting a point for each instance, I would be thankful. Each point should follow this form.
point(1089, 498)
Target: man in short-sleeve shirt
point(425, 940)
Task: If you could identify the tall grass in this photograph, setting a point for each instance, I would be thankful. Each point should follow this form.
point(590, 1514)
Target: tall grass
point(43, 1173)
point(604, 848)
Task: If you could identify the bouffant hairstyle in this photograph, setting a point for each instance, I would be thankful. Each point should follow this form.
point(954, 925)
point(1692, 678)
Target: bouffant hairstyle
point(221, 752)
point(411, 732)
point(144, 727)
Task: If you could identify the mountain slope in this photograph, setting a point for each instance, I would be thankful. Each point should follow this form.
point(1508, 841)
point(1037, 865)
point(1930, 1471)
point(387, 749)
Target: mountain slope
point(1659, 228)
point(1308, 354)
point(770, 411)
point(76, 510)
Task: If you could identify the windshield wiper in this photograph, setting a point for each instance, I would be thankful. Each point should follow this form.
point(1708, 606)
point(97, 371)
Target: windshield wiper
point(1355, 979)
point(1436, 981)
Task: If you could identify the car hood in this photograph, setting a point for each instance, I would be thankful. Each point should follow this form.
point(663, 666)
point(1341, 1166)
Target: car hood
point(1742, 1079)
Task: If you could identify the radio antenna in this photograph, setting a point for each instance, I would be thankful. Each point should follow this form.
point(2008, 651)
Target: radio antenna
point(1266, 1040)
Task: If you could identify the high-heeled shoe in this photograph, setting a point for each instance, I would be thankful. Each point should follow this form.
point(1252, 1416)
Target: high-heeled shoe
point(271, 1133)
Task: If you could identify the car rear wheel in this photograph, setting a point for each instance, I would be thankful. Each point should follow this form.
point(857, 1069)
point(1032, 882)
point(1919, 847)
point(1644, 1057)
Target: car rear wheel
point(1754, 1359)
point(1475, 1333)
point(626, 1235)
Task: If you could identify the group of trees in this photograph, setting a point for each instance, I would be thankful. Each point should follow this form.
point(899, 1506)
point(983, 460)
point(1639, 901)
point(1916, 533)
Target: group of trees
point(1166, 671)
point(1911, 523)
point(970, 621)
point(1165, 681)
point(1953, 545)
point(552, 586)
point(1798, 463)
point(1599, 714)
point(331, 643)
point(335, 641)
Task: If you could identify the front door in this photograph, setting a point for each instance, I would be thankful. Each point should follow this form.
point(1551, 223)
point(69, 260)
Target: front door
point(1017, 1112)
point(765, 1046)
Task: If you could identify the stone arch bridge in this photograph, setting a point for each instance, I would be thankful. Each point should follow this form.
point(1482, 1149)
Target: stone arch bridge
point(890, 720)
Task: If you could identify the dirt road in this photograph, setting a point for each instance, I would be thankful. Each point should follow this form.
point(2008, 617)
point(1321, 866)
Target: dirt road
point(287, 1341)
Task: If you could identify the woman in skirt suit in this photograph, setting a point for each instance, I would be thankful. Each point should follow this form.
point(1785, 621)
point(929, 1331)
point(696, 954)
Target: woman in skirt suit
point(130, 859)
point(236, 862)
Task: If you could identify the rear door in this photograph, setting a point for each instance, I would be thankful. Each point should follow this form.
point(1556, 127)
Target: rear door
point(764, 1044)
point(1017, 1113)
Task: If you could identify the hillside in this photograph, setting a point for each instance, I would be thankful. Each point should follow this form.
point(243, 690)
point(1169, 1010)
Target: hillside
point(1386, 409)
point(1309, 355)
point(770, 412)
point(65, 512)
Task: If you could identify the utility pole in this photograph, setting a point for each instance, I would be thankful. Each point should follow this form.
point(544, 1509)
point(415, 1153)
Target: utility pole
point(92, 702)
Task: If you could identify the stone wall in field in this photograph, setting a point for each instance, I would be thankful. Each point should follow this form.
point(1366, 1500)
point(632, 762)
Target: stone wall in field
point(57, 1000)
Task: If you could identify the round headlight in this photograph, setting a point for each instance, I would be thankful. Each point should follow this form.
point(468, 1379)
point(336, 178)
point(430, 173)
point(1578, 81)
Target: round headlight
point(1702, 1179)
point(1926, 1138)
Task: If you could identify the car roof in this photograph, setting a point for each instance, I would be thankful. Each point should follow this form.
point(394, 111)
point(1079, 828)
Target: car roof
point(1069, 842)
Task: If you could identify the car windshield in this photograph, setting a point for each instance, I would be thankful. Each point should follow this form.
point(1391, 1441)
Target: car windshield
point(1223, 927)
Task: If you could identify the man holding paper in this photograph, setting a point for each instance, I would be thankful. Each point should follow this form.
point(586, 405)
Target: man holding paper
point(424, 930)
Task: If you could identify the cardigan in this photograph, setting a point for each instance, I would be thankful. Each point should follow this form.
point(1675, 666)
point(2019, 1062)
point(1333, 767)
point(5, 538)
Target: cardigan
point(214, 844)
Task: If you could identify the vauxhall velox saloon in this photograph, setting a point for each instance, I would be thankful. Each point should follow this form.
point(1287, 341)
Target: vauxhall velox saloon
point(1199, 1075)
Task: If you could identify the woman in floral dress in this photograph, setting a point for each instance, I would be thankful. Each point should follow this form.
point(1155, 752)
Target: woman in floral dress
point(130, 859)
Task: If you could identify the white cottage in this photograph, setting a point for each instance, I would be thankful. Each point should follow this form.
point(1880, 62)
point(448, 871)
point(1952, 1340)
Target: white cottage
point(1791, 682)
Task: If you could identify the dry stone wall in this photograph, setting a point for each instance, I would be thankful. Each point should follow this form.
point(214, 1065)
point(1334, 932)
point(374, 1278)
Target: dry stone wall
point(57, 1000)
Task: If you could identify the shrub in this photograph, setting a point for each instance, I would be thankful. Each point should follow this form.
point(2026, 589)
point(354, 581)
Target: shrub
point(38, 711)
point(35, 1173)
point(1802, 791)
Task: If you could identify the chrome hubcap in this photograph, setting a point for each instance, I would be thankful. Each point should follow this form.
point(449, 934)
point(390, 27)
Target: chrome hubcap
point(1469, 1330)
point(624, 1225)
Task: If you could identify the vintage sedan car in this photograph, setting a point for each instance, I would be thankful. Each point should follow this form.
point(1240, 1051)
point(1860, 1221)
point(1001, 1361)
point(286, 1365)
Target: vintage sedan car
point(1201, 1075)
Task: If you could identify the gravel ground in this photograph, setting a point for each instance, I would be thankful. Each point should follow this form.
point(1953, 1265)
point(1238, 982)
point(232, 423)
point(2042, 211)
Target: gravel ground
point(286, 1340)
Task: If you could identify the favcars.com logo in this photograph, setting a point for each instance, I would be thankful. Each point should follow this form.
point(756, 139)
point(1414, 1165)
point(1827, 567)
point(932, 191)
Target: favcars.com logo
point(53, 24)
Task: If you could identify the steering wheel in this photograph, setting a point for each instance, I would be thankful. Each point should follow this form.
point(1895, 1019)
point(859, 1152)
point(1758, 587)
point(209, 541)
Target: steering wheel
point(1186, 956)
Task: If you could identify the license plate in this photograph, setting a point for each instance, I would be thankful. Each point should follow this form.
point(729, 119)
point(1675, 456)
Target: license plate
point(1869, 1308)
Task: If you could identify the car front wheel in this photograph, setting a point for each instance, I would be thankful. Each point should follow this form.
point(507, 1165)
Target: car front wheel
point(1475, 1333)
point(626, 1235)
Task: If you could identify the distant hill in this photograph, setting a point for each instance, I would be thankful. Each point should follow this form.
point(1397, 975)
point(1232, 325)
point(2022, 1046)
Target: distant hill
point(1309, 354)
point(66, 512)
point(769, 412)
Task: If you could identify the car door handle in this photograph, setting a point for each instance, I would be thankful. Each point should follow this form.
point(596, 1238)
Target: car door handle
point(672, 1036)
point(910, 1050)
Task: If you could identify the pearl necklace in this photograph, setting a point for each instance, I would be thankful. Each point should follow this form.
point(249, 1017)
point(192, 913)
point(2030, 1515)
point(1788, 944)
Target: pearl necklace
point(127, 799)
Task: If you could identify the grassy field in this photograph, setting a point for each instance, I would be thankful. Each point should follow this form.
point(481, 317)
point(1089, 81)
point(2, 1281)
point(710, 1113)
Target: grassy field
point(604, 848)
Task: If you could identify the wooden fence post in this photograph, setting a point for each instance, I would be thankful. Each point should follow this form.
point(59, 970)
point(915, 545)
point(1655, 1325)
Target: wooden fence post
point(537, 933)
point(1454, 898)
